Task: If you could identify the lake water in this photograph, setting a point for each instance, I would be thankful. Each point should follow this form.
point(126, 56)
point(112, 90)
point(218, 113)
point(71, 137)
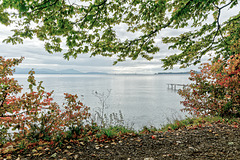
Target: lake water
point(144, 100)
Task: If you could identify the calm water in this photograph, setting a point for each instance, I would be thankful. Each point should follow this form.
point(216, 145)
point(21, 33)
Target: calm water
point(143, 99)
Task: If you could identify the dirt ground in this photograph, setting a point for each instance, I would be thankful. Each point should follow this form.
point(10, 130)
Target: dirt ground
point(212, 141)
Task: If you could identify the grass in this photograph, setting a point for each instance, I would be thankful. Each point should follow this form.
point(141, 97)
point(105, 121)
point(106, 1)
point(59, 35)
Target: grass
point(196, 121)
point(189, 122)
point(114, 131)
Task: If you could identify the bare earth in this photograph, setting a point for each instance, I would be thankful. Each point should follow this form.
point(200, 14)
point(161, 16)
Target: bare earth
point(211, 141)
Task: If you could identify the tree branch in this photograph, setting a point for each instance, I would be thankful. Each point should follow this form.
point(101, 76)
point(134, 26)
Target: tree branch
point(218, 23)
point(90, 9)
point(37, 9)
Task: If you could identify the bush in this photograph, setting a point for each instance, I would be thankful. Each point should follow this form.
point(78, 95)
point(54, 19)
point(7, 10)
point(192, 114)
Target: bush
point(216, 90)
point(34, 114)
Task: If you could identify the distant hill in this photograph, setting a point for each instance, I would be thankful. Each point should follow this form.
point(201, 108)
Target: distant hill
point(50, 71)
point(172, 73)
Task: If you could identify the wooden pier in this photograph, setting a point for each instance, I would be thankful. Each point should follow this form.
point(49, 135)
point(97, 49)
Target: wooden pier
point(174, 86)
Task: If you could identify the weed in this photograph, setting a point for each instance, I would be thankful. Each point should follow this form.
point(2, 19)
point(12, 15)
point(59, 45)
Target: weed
point(103, 102)
point(22, 144)
point(114, 131)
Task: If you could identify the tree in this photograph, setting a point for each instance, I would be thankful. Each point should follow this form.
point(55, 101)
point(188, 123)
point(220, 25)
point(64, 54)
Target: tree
point(216, 90)
point(88, 26)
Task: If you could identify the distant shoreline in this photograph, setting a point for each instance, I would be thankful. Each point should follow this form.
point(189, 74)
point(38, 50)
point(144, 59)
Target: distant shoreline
point(172, 73)
point(73, 71)
point(68, 73)
point(106, 73)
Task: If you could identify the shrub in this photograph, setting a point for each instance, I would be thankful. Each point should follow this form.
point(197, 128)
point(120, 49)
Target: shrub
point(216, 90)
point(34, 114)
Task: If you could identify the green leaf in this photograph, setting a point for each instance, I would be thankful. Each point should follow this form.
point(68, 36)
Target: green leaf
point(92, 28)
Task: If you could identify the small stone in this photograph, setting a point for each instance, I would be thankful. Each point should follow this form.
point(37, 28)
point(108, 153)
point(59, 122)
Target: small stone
point(178, 142)
point(97, 147)
point(54, 155)
point(69, 147)
point(37, 154)
point(176, 154)
point(10, 147)
point(82, 143)
point(65, 151)
point(149, 158)
point(230, 143)
point(192, 149)
point(76, 156)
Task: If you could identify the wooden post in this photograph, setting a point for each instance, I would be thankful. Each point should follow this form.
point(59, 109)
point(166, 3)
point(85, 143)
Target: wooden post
point(174, 86)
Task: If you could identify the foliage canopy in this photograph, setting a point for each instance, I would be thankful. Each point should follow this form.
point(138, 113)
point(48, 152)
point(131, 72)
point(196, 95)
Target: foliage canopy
point(89, 26)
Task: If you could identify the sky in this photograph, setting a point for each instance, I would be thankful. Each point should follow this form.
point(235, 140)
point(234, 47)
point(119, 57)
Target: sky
point(36, 56)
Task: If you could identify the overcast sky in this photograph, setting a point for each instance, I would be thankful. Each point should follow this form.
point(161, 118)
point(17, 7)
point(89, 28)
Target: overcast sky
point(37, 57)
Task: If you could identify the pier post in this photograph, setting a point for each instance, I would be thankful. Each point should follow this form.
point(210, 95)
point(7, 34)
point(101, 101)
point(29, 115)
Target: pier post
point(174, 86)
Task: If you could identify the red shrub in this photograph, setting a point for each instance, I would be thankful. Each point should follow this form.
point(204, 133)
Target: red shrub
point(216, 90)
